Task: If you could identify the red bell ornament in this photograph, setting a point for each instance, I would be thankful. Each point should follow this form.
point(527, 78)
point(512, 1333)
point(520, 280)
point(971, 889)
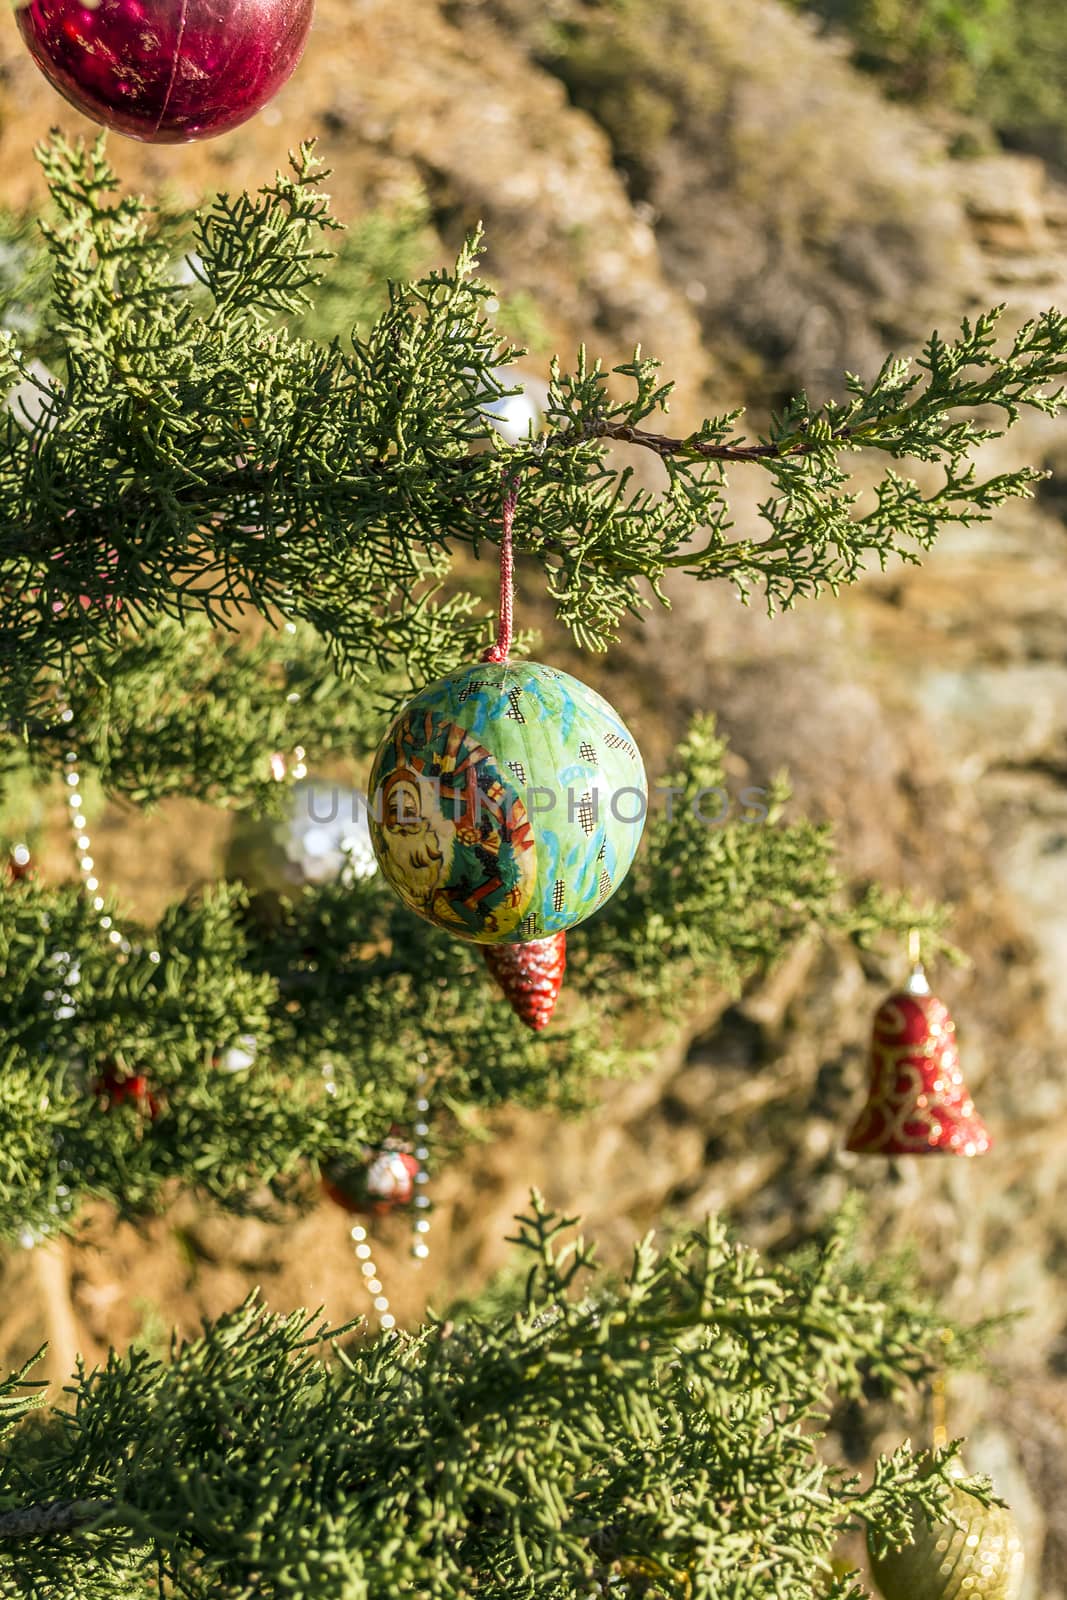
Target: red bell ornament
point(917, 1103)
point(531, 976)
point(166, 71)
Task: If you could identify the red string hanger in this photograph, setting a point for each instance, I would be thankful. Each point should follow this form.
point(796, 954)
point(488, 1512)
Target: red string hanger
point(507, 798)
point(502, 649)
point(530, 974)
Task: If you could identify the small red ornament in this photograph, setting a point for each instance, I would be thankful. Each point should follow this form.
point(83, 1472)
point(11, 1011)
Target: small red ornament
point(117, 1090)
point(917, 1103)
point(381, 1180)
point(166, 71)
point(19, 863)
point(531, 976)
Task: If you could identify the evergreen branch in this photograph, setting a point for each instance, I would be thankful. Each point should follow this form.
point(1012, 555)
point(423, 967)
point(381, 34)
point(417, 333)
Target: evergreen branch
point(17, 1396)
point(203, 455)
point(343, 962)
point(198, 456)
point(892, 414)
point(601, 1434)
point(185, 710)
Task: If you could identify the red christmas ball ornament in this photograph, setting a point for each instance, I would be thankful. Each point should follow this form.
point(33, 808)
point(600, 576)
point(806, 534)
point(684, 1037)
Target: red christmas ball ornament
point(380, 1181)
point(531, 976)
point(918, 1103)
point(166, 71)
point(116, 1089)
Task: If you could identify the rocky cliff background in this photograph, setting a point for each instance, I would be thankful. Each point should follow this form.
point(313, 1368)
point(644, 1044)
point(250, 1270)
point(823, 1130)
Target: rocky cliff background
point(719, 184)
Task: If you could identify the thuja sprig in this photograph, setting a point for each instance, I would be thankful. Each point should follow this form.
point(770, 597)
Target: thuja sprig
point(342, 973)
point(902, 412)
point(198, 455)
point(814, 536)
point(600, 1435)
point(184, 709)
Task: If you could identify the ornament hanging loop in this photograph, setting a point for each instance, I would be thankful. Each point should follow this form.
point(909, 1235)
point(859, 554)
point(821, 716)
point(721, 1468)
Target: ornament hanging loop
point(917, 983)
point(501, 650)
point(939, 1398)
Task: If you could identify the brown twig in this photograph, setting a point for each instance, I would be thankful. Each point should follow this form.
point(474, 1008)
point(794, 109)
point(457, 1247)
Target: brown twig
point(50, 1518)
point(664, 445)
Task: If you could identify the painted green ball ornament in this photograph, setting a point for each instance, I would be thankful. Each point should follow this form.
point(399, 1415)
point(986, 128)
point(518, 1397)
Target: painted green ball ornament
point(977, 1555)
point(506, 802)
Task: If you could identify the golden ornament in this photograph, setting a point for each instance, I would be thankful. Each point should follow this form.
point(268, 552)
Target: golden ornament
point(976, 1556)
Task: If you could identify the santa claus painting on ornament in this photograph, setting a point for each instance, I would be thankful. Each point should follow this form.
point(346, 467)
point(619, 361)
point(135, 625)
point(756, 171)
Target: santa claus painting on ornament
point(456, 834)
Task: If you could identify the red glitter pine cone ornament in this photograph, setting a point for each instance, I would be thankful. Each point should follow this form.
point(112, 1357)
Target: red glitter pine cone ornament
point(531, 976)
point(918, 1103)
point(166, 71)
